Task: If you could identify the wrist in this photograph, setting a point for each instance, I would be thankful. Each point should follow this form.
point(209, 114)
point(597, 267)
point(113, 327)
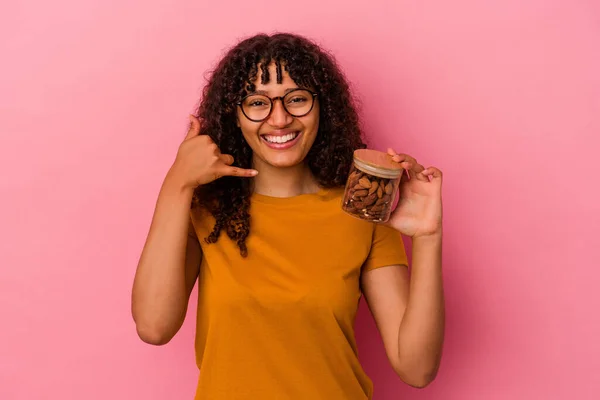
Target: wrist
point(433, 237)
point(174, 184)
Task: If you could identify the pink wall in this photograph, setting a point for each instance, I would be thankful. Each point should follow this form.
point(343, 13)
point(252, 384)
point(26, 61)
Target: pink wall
point(503, 96)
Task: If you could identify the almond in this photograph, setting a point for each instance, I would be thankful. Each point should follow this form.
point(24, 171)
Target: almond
point(377, 208)
point(389, 188)
point(374, 186)
point(380, 202)
point(370, 199)
point(359, 205)
point(355, 175)
point(360, 193)
point(364, 182)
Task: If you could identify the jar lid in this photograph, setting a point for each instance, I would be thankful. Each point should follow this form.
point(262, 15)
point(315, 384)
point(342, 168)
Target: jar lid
point(379, 160)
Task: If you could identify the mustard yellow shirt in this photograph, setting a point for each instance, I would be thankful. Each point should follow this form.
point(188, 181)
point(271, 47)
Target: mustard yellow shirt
point(279, 324)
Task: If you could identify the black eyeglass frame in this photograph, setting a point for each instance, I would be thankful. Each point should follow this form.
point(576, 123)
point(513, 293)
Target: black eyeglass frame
point(272, 100)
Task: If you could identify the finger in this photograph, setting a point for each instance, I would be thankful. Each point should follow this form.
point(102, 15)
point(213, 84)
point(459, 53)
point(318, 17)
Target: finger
point(433, 172)
point(226, 158)
point(413, 170)
point(403, 157)
point(410, 165)
point(235, 171)
point(391, 151)
point(406, 163)
point(400, 157)
point(417, 171)
point(421, 177)
point(194, 128)
point(412, 173)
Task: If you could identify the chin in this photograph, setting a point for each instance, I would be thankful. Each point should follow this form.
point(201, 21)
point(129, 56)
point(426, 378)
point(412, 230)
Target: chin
point(284, 161)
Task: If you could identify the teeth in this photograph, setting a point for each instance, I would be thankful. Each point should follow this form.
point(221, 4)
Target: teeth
point(281, 139)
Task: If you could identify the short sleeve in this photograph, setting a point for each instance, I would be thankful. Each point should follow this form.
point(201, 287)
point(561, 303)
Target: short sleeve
point(387, 248)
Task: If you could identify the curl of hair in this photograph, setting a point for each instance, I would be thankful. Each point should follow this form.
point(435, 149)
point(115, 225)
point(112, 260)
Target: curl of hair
point(330, 157)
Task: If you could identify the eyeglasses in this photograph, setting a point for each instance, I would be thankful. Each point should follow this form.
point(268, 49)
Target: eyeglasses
point(297, 103)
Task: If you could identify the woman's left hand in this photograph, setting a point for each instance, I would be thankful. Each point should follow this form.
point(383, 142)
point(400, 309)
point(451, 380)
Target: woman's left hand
point(419, 210)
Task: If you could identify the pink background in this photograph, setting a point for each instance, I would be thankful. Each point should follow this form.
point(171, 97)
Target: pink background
point(503, 96)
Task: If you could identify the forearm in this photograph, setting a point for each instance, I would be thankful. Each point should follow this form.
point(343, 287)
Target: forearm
point(159, 296)
point(421, 332)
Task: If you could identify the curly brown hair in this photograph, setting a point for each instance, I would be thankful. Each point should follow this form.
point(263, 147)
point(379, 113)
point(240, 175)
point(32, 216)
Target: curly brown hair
point(330, 157)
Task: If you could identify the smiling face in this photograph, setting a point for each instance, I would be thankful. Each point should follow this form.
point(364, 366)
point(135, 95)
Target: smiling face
point(281, 140)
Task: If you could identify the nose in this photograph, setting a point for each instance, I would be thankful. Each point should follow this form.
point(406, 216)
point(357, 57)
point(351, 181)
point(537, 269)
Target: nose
point(279, 118)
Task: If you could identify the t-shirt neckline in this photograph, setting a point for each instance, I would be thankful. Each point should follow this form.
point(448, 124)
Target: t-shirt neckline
point(322, 193)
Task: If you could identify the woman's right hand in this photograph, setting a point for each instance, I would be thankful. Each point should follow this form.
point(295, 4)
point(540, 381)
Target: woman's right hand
point(199, 160)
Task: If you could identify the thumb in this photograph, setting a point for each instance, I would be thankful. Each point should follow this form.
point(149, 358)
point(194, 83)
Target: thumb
point(226, 158)
point(194, 128)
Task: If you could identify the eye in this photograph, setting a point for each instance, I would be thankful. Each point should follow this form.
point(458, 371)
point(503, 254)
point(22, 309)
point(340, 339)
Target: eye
point(297, 99)
point(257, 103)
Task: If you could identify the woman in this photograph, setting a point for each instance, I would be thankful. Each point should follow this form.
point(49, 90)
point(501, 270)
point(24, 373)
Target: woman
point(265, 160)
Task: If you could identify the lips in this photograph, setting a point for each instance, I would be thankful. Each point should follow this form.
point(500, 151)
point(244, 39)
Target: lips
point(281, 140)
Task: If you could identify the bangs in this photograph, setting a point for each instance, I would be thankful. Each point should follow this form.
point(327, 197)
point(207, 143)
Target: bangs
point(265, 75)
point(296, 70)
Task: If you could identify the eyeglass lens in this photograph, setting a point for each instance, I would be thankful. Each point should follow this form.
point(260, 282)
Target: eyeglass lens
point(258, 107)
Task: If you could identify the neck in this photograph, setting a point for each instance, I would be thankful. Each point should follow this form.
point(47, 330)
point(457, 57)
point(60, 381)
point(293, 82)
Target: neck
point(283, 182)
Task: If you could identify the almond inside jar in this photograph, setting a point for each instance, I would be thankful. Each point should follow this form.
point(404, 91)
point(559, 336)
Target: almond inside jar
point(371, 186)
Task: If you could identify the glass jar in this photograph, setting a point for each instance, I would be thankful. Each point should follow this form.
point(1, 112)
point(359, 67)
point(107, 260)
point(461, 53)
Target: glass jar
point(372, 186)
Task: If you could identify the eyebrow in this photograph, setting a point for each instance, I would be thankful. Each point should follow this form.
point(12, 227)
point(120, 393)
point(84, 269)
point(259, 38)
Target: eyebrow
point(265, 93)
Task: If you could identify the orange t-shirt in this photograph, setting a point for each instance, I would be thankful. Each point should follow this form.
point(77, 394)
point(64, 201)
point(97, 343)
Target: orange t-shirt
point(279, 324)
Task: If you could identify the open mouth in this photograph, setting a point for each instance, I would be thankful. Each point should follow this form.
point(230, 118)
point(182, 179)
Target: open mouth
point(281, 141)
